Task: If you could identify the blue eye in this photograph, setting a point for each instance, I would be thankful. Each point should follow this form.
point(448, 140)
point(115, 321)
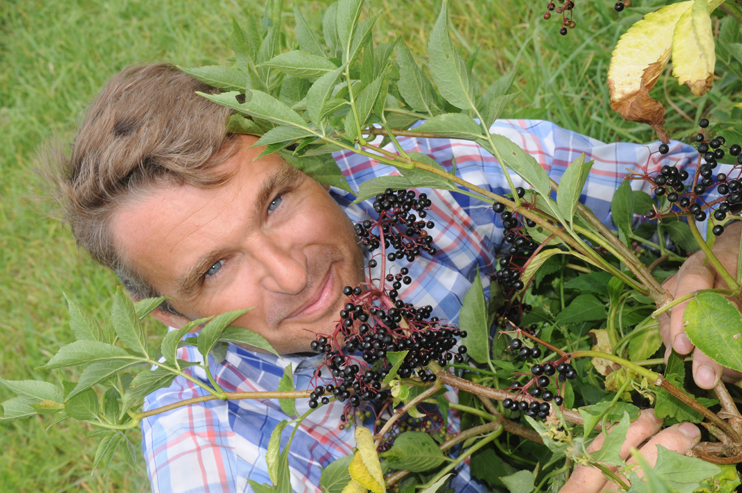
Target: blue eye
point(275, 203)
point(214, 268)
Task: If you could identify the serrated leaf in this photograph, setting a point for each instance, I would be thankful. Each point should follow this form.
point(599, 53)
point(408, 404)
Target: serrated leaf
point(348, 13)
point(366, 100)
point(47, 407)
point(473, 319)
point(447, 67)
point(34, 389)
point(585, 307)
point(518, 160)
point(714, 325)
point(609, 452)
point(612, 412)
point(238, 124)
point(354, 486)
point(261, 105)
point(320, 92)
point(83, 406)
point(301, 64)
point(681, 473)
point(283, 134)
point(286, 384)
point(646, 343)
point(411, 82)
point(322, 169)
point(245, 45)
point(643, 202)
point(622, 208)
point(433, 488)
point(362, 36)
point(85, 351)
point(112, 404)
point(536, 262)
point(571, 185)
point(335, 476)
point(260, 488)
point(396, 358)
point(669, 407)
point(414, 451)
point(495, 107)
point(365, 467)
point(239, 335)
point(294, 91)
point(106, 448)
point(594, 282)
point(17, 407)
point(681, 235)
point(651, 482)
point(520, 482)
point(305, 36)
point(99, 371)
point(169, 345)
point(212, 331)
point(453, 125)
point(228, 79)
point(146, 306)
point(83, 325)
point(126, 323)
point(144, 384)
point(273, 451)
point(329, 28)
point(693, 51)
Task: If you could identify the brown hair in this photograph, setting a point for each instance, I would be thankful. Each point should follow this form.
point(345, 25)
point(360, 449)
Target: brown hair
point(146, 127)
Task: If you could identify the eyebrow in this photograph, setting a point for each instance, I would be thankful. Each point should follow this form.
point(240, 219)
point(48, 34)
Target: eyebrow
point(192, 279)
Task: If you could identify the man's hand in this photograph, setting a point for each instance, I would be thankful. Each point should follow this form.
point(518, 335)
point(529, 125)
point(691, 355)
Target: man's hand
point(680, 438)
point(696, 274)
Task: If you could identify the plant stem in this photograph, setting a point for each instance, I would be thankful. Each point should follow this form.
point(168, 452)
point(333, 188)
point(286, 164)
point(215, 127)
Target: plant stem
point(610, 474)
point(731, 282)
point(654, 378)
point(662, 309)
point(401, 412)
point(578, 268)
point(296, 394)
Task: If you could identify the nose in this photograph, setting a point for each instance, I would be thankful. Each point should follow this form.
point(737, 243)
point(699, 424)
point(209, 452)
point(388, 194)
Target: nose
point(283, 267)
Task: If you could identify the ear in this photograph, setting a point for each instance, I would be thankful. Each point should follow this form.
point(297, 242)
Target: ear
point(170, 319)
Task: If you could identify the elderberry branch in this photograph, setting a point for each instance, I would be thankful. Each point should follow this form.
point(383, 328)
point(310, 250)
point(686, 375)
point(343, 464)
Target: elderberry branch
point(731, 282)
point(403, 410)
point(667, 306)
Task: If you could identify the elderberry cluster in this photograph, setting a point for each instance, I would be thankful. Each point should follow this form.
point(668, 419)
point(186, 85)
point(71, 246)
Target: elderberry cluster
point(687, 199)
point(565, 10)
point(400, 223)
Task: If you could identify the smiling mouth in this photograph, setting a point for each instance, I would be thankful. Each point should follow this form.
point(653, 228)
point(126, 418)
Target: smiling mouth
point(322, 300)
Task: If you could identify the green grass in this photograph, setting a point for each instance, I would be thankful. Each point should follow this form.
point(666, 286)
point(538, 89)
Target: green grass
point(54, 57)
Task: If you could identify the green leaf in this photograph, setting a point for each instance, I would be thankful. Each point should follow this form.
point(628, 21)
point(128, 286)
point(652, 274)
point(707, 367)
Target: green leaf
point(643, 202)
point(329, 28)
point(111, 404)
point(283, 134)
point(609, 452)
point(536, 262)
point(294, 90)
point(106, 448)
point(584, 308)
point(646, 343)
point(615, 288)
point(336, 476)
point(287, 385)
point(594, 282)
point(500, 87)
point(238, 124)
point(366, 100)
point(453, 125)
point(145, 307)
point(126, 323)
point(261, 488)
point(34, 389)
point(725, 481)
point(348, 13)
point(272, 453)
point(681, 235)
point(85, 351)
point(447, 67)
point(99, 371)
point(622, 208)
point(212, 331)
point(301, 64)
point(228, 79)
point(571, 185)
point(83, 325)
point(520, 482)
point(473, 319)
point(612, 412)
point(245, 45)
point(651, 482)
point(521, 162)
point(239, 335)
point(361, 36)
point(144, 384)
point(83, 406)
point(411, 84)
point(305, 36)
point(47, 407)
point(18, 407)
point(669, 407)
point(414, 451)
point(714, 325)
point(396, 358)
point(169, 345)
point(320, 92)
point(433, 488)
point(322, 169)
point(261, 105)
point(495, 108)
point(681, 473)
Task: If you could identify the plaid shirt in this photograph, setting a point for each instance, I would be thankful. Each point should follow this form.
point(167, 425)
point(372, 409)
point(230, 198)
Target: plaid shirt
point(216, 446)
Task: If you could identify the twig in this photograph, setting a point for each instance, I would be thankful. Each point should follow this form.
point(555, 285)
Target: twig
point(511, 426)
point(401, 411)
point(657, 262)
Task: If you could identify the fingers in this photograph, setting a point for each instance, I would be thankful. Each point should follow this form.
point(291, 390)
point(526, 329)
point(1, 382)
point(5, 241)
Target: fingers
point(693, 275)
point(587, 479)
point(706, 372)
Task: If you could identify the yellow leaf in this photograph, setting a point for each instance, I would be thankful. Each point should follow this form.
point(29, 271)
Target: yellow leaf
point(365, 467)
point(354, 487)
point(603, 344)
point(637, 62)
point(693, 51)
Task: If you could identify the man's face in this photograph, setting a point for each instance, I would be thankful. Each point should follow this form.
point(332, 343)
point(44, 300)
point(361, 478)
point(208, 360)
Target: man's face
point(271, 239)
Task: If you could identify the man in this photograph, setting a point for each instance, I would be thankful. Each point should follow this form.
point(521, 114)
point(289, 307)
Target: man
point(156, 190)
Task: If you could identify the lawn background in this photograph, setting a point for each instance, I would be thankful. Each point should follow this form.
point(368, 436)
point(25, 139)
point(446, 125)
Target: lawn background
point(55, 55)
